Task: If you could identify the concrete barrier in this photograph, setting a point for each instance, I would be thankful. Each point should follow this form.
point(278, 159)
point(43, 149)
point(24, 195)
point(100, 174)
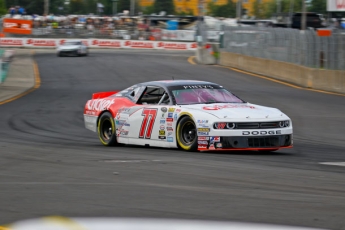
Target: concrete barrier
point(329, 80)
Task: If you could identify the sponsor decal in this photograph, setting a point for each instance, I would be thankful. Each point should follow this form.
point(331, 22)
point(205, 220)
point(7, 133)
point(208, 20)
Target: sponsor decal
point(162, 132)
point(275, 132)
point(172, 45)
point(198, 87)
point(107, 43)
point(124, 132)
point(214, 139)
point(220, 125)
point(203, 125)
point(203, 129)
point(202, 147)
point(11, 42)
point(203, 138)
point(218, 107)
point(171, 110)
point(120, 122)
point(162, 127)
point(162, 121)
point(163, 115)
point(202, 133)
point(219, 145)
point(169, 119)
point(175, 116)
point(170, 133)
point(164, 109)
point(178, 110)
point(162, 137)
point(211, 147)
point(139, 44)
point(202, 121)
point(99, 104)
point(202, 142)
point(170, 129)
point(90, 112)
point(41, 42)
point(169, 123)
point(170, 115)
point(170, 139)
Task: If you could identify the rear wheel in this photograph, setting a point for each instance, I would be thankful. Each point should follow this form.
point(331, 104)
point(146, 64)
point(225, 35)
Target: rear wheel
point(106, 129)
point(186, 134)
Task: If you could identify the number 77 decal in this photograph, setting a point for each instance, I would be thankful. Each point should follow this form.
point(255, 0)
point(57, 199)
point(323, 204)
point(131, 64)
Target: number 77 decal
point(148, 122)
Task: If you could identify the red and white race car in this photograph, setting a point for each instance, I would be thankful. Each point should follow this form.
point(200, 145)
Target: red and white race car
point(191, 115)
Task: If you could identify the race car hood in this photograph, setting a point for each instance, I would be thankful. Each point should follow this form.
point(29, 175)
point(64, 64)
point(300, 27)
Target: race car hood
point(68, 47)
point(238, 111)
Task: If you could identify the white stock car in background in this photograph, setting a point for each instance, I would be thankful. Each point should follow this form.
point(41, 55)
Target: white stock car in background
point(191, 115)
point(72, 47)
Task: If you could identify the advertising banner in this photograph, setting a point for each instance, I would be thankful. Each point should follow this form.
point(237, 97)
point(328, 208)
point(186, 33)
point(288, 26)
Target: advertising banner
point(97, 43)
point(336, 5)
point(17, 26)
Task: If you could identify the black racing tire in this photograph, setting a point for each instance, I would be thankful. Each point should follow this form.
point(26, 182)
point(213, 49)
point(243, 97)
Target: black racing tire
point(186, 134)
point(87, 53)
point(106, 130)
point(59, 54)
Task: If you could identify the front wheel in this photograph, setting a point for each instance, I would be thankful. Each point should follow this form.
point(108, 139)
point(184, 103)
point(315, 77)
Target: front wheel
point(186, 134)
point(106, 129)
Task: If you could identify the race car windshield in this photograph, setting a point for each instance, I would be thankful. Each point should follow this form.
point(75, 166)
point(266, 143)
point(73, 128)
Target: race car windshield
point(71, 43)
point(204, 96)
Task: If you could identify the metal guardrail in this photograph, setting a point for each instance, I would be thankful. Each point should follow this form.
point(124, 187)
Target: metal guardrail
point(288, 45)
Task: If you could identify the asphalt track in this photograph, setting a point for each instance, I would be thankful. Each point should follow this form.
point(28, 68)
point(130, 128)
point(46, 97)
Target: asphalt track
point(51, 165)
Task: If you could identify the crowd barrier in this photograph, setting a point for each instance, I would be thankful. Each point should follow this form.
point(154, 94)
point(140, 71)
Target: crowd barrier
point(98, 43)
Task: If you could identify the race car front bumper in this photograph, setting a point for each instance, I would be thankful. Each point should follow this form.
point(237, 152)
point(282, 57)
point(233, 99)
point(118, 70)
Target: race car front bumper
point(273, 142)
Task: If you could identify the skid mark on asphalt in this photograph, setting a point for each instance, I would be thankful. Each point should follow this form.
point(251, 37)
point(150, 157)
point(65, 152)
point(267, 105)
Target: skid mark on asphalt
point(333, 163)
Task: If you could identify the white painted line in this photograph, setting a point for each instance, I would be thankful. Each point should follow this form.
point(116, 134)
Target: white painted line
point(333, 163)
point(128, 161)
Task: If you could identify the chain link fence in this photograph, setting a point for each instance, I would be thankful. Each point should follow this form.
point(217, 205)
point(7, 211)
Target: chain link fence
point(288, 45)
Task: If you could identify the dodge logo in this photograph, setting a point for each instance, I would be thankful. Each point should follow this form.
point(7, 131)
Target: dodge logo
point(247, 133)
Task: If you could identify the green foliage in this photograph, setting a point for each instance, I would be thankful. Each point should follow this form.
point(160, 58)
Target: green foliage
point(164, 5)
point(318, 6)
point(77, 7)
point(271, 7)
point(149, 10)
point(258, 9)
point(185, 13)
point(3, 9)
point(227, 10)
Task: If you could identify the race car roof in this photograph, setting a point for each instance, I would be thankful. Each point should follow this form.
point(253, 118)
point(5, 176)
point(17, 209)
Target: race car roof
point(169, 83)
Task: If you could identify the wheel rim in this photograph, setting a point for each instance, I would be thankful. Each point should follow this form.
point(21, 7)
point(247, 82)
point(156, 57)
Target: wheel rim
point(188, 133)
point(106, 130)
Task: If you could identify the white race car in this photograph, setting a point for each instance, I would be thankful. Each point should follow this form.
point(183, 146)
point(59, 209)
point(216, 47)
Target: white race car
point(75, 48)
point(191, 115)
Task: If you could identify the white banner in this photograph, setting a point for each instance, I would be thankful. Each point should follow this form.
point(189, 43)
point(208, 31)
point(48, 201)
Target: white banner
point(336, 5)
point(97, 43)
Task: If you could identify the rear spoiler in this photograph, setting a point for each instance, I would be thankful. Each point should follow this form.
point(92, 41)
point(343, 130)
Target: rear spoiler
point(100, 95)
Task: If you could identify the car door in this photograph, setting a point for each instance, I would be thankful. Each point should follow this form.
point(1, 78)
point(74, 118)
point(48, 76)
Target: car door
point(147, 124)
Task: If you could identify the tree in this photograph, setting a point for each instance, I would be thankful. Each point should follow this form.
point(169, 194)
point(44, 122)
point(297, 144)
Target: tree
point(272, 7)
point(77, 7)
point(3, 9)
point(164, 5)
point(258, 9)
point(227, 10)
point(318, 6)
